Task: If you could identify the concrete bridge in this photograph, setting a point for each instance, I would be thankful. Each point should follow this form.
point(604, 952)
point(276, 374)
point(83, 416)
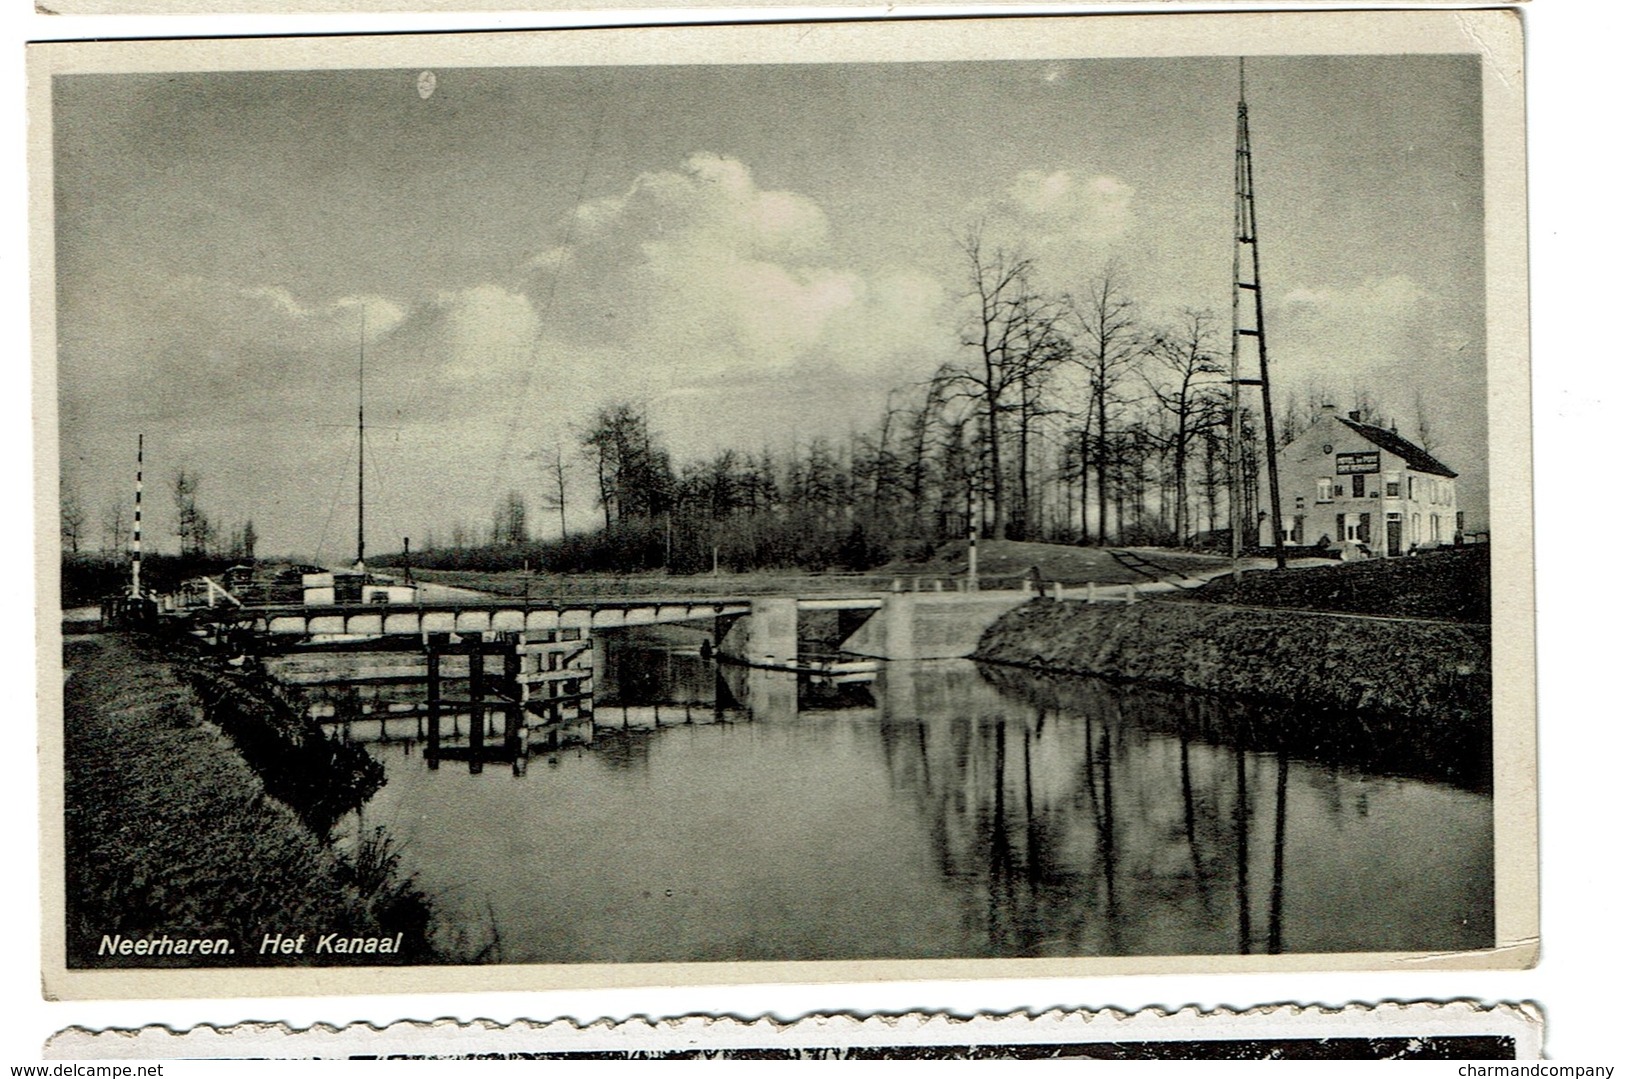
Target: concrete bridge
point(757, 630)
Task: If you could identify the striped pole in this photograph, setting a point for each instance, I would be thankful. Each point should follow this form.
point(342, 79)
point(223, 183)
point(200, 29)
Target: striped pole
point(973, 582)
point(135, 534)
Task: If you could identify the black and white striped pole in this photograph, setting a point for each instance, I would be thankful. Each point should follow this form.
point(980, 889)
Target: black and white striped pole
point(972, 584)
point(135, 534)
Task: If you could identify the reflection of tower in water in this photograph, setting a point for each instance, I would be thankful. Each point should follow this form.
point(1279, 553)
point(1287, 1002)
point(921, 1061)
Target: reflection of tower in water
point(1077, 830)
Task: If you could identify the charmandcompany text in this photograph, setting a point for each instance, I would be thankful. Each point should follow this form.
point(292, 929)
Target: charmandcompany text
point(1537, 1071)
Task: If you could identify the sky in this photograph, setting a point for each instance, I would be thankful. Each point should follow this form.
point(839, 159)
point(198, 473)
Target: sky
point(756, 254)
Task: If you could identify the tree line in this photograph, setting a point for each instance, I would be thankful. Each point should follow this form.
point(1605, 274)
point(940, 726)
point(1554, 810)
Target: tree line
point(1066, 417)
point(200, 535)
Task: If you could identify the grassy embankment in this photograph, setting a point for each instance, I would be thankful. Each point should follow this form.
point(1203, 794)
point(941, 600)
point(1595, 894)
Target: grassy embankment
point(1433, 676)
point(171, 831)
point(1451, 584)
point(1000, 564)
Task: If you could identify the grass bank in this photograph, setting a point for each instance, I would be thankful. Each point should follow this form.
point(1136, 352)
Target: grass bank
point(543, 587)
point(1451, 584)
point(1005, 563)
point(171, 832)
point(1424, 673)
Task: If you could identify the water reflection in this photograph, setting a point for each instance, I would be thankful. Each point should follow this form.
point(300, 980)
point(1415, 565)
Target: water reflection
point(936, 810)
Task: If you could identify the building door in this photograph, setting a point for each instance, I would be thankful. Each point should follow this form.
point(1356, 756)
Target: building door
point(1395, 526)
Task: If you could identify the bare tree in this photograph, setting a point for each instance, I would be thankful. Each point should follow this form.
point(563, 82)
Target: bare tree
point(1368, 406)
point(1213, 479)
point(1016, 337)
point(1185, 366)
point(1424, 434)
point(1107, 349)
point(197, 533)
point(634, 475)
point(72, 514)
point(115, 528)
point(553, 465)
point(508, 525)
point(917, 470)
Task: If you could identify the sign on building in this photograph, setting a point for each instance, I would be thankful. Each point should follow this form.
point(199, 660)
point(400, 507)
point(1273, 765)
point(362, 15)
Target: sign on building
point(1349, 464)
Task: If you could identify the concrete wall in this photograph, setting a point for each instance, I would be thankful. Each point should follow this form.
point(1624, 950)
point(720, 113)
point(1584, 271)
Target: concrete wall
point(764, 638)
point(930, 625)
point(911, 625)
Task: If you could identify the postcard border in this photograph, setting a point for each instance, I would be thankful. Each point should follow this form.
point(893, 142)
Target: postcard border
point(1496, 35)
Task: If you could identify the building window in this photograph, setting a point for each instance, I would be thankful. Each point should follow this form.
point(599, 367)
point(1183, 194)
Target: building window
point(1323, 490)
point(1391, 483)
point(1410, 488)
point(1433, 531)
point(1416, 528)
point(1337, 490)
point(1358, 483)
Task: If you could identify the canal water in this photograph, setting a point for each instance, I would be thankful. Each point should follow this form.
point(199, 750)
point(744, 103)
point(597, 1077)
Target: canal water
point(932, 809)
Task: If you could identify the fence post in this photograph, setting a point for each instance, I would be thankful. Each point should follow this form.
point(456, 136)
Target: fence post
point(476, 711)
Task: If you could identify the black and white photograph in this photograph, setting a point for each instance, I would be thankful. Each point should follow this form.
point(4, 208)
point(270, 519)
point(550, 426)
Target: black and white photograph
point(605, 506)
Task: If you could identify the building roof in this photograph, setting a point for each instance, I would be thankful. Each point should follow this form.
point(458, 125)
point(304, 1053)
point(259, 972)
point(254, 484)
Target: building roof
point(1415, 456)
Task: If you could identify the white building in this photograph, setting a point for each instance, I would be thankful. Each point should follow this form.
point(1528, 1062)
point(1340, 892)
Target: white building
point(1349, 484)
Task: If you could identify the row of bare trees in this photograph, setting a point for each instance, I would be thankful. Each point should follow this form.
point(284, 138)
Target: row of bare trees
point(1131, 405)
point(1068, 416)
point(200, 535)
point(1065, 418)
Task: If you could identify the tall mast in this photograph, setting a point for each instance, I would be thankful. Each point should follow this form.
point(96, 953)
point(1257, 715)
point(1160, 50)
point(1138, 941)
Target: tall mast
point(135, 534)
point(361, 451)
point(1246, 235)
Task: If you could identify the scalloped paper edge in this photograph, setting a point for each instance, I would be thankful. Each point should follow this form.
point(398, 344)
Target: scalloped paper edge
point(826, 1033)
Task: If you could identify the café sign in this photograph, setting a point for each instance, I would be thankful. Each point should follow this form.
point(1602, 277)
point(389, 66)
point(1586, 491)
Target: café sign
point(1349, 464)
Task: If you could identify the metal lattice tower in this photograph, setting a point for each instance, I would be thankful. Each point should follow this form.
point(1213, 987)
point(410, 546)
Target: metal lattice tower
point(1246, 238)
point(361, 450)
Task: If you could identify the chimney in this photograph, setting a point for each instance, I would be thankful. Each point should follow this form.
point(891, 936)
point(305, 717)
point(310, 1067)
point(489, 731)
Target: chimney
point(1355, 415)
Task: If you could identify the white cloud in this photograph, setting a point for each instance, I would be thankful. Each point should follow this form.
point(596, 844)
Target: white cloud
point(694, 291)
point(1070, 223)
point(477, 333)
point(1361, 330)
point(702, 272)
